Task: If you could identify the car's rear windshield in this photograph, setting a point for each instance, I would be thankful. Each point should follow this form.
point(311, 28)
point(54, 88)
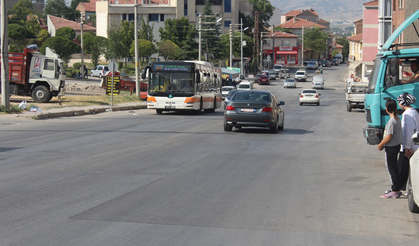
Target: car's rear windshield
point(309, 91)
point(312, 62)
point(318, 79)
point(244, 86)
point(261, 97)
point(227, 89)
point(300, 73)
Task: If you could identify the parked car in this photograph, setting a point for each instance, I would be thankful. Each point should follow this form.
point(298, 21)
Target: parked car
point(229, 96)
point(301, 75)
point(99, 71)
point(264, 80)
point(225, 90)
point(254, 108)
point(244, 86)
point(310, 97)
point(325, 63)
point(335, 62)
point(284, 73)
point(318, 82)
point(272, 74)
point(290, 82)
point(312, 65)
point(413, 181)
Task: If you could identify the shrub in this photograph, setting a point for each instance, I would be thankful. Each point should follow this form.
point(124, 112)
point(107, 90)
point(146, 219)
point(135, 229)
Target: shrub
point(77, 65)
point(119, 65)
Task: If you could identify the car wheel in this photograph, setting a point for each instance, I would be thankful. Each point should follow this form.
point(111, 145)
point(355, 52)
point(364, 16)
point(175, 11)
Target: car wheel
point(413, 207)
point(227, 128)
point(100, 75)
point(159, 111)
point(318, 104)
point(348, 106)
point(301, 104)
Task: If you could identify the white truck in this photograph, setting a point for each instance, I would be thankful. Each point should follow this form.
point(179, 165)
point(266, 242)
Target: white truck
point(355, 95)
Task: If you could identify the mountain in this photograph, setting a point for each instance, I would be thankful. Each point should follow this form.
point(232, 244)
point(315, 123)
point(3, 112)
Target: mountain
point(336, 10)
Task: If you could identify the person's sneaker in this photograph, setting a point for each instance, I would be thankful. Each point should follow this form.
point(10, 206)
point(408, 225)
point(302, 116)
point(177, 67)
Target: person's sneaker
point(387, 191)
point(391, 195)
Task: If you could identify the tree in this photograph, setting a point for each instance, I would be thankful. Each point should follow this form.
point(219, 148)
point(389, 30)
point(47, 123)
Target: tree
point(281, 29)
point(20, 11)
point(345, 43)
point(183, 34)
point(168, 50)
point(17, 32)
point(146, 31)
point(119, 40)
point(60, 9)
point(66, 32)
point(64, 47)
point(210, 39)
point(315, 39)
point(96, 46)
point(75, 3)
point(22, 15)
point(41, 37)
point(145, 50)
point(225, 43)
point(263, 9)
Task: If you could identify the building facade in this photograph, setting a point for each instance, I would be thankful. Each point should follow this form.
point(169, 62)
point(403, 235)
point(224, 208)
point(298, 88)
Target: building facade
point(370, 34)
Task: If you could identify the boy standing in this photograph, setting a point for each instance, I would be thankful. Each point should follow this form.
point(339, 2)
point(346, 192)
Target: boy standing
point(393, 138)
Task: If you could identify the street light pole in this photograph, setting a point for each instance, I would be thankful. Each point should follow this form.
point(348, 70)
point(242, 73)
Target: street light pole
point(241, 42)
point(199, 31)
point(81, 46)
point(137, 80)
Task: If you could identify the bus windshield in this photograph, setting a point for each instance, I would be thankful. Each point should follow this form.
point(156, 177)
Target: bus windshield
point(175, 84)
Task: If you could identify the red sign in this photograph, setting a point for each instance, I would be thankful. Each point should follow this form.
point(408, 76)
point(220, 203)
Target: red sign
point(285, 47)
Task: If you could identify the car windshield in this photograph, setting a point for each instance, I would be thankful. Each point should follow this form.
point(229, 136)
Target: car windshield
point(311, 62)
point(309, 91)
point(258, 97)
point(290, 80)
point(300, 73)
point(227, 89)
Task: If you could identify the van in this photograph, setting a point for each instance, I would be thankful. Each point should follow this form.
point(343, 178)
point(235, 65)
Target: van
point(277, 69)
point(339, 57)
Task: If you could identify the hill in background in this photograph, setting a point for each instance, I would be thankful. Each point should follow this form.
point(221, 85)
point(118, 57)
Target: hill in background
point(336, 10)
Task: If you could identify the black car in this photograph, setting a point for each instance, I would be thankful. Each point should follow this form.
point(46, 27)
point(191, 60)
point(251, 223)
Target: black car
point(256, 80)
point(335, 62)
point(254, 108)
point(325, 63)
point(229, 96)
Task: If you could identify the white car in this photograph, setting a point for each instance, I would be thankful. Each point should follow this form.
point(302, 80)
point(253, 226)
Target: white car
point(413, 183)
point(244, 86)
point(301, 75)
point(309, 96)
point(225, 90)
point(99, 71)
point(318, 82)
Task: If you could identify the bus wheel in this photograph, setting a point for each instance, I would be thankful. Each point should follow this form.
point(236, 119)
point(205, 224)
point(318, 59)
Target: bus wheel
point(159, 111)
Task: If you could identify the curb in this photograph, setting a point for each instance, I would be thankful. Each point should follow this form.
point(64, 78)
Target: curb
point(86, 111)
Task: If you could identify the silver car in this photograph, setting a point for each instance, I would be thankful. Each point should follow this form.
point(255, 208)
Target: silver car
point(312, 65)
point(413, 181)
point(99, 71)
point(318, 82)
point(254, 108)
point(290, 82)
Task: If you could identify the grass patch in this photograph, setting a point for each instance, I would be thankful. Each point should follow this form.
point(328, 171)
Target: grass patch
point(13, 109)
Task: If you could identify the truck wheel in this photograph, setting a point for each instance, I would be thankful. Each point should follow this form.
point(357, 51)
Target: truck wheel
point(41, 94)
point(348, 106)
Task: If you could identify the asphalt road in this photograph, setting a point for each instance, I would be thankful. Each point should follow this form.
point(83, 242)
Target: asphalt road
point(138, 178)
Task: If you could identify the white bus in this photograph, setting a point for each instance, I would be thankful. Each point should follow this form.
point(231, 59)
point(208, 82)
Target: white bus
point(183, 86)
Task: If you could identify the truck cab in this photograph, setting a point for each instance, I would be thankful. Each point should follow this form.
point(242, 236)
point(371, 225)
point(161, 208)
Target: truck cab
point(389, 78)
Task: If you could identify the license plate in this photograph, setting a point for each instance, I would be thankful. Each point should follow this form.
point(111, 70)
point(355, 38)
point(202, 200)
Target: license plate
point(248, 110)
point(170, 106)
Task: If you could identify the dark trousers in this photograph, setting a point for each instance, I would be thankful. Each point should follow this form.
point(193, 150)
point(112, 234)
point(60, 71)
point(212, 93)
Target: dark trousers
point(392, 153)
point(403, 167)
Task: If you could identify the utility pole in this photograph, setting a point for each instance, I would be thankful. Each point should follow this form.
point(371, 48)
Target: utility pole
point(256, 35)
point(5, 102)
point(231, 45)
point(81, 47)
point(273, 45)
point(302, 45)
point(137, 74)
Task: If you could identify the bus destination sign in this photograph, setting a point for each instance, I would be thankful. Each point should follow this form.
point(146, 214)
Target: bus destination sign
point(173, 67)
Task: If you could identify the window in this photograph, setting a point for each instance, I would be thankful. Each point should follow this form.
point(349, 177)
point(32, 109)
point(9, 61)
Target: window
point(161, 17)
point(227, 6)
point(213, 2)
point(128, 17)
point(227, 23)
point(153, 17)
point(185, 8)
point(401, 3)
point(285, 42)
point(49, 64)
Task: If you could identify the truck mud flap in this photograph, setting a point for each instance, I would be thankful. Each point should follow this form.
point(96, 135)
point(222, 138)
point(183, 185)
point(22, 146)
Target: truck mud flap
point(373, 135)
